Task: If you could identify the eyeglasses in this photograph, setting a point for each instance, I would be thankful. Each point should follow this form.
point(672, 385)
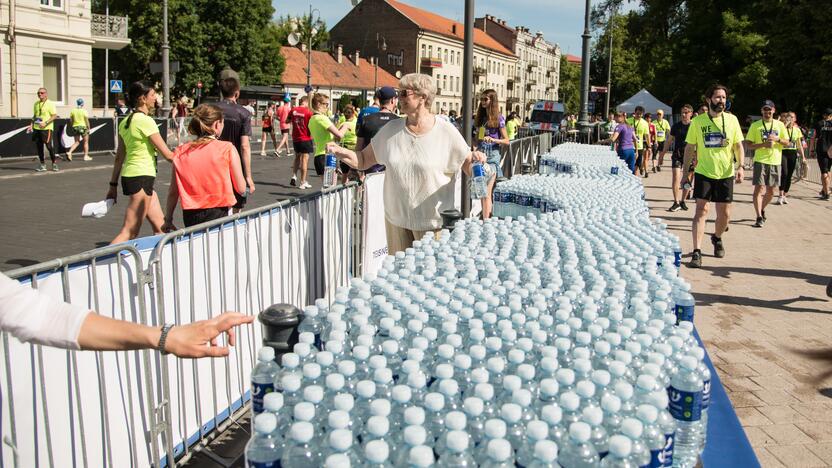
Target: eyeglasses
point(403, 93)
point(484, 99)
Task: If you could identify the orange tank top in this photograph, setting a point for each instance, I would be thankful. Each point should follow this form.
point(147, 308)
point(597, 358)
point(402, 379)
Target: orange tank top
point(203, 174)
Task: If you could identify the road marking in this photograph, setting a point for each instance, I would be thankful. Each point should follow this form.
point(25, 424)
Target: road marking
point(49, 172)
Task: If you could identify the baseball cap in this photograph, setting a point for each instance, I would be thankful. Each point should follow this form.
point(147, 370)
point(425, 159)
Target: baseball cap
point(386, 92)
point(827, 111)
point(228, 73)
point(768, 103)
point(287, 98)
point(79, 101)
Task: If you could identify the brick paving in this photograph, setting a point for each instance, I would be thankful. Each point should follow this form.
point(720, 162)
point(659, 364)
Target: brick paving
point(757, 307)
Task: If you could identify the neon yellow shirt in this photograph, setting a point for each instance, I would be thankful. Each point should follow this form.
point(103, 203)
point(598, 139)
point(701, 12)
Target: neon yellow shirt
point(794, 135)
point(350, 138)
point(641, 129)
point(511, 128)
point(662, 130)
point(319, 129)
point(140, 154)
point(78, 117)
point(715, 157)
point(758, 133)
point(43, 111)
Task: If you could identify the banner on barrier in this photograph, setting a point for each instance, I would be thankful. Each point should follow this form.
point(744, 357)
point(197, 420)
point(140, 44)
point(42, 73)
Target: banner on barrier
point(375, 236)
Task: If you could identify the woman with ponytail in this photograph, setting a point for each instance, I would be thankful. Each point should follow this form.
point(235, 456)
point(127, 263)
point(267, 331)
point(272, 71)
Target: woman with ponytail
point(206, 172)
point(138, 142)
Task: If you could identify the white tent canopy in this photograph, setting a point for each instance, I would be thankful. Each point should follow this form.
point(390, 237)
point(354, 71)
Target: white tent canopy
point(646, 100)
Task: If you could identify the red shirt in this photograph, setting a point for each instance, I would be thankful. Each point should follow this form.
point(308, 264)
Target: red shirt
point(283, 116)
point(300, 123)
point(203, 174)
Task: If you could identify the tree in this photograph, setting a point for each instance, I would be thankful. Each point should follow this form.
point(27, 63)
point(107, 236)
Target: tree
point(302, 25)
point(570, 85)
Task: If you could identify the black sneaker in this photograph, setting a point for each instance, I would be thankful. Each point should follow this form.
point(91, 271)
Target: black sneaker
point(760, 222)
point(658, 168)
point(695, 259)
point(825, 196)
point(684, 206)
point(719, 249)
point(674, 207)
point(763, 212)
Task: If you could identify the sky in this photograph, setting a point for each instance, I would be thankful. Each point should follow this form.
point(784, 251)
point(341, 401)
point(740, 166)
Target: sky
point(561, 21)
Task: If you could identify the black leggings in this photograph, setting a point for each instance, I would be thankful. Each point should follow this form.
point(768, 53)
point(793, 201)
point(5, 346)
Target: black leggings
point(43, 137)
point(788, 166)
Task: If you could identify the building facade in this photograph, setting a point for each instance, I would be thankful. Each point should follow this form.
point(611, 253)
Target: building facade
point(536, 75)
point(411, 40)
point(49, 44)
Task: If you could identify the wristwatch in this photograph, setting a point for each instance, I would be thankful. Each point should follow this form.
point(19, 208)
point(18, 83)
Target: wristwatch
point(163, 337)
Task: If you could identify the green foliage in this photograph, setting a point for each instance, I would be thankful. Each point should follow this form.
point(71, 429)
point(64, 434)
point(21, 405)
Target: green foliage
point(570, 85)
point(302, 25)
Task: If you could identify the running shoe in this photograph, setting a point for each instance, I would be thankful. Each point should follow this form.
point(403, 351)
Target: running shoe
point(54, 167)
point(674, 207)
point(785, 201)
point(719, 249)
point(763, 212)
point(276, 154)
point(684, 206)
point(760, 222)
point(69, 157)
point(262, 153)
point(695, 260)
point(294, 181)
point(87, 158)
point(658, 168)
point(41, 168)
point(305, 185)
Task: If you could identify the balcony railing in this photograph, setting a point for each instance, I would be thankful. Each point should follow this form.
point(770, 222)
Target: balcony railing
point(432, 62)
point(531, 82)
point(479, 71)
point(111, 27)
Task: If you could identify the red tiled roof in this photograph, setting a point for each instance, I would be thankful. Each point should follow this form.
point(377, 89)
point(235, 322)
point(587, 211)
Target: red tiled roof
point(444, 26)
point(327, 72)
point(573, 59)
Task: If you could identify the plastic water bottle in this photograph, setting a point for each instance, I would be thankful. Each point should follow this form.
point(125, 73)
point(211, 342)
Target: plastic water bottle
point(652, 435)
point(434, 415)
point(262, 378)
point(376, 454)
point(684, 305)
point(594, 416)
point(412, 436)
point(420, 457)
point(330, 171)
point(499, 454)
point(340, 442)
point(301, 453)
point(515, 432)
point(273, 403)
point(545, 455)
point(536, 431)
point(552, 415)
point(634, 430)
point(685, 393)
point(699, 354)
point(620, 453)
point(479, 183)
point(457, 454)
point(668, 425)
point(311, 322)
point(263, 450)
point(578, 451)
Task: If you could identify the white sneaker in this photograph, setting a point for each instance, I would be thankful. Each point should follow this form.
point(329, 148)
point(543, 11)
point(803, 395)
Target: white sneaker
point(785, 201)
point(305, 185)
point(780, 201)
point(262, 153)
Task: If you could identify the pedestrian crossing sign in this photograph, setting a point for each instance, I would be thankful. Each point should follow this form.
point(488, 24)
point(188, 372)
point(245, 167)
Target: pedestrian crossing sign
point(116, 87)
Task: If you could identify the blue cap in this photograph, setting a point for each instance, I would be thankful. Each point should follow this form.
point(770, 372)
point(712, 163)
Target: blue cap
point(79, 101)
point(768, 103)
point(287, 98)
point(386, 92)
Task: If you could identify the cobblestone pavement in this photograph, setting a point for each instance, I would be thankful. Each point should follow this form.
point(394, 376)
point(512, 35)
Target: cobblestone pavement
point(757, 308)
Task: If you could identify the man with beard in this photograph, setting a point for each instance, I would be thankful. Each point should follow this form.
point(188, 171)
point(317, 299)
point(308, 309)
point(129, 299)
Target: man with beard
point(715, 143)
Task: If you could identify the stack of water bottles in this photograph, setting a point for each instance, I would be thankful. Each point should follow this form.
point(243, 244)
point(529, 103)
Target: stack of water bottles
point(582, 160)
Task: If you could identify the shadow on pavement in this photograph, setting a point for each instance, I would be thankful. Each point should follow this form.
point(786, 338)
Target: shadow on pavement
point(725, 272)
point(22, 262)
point(705, 299)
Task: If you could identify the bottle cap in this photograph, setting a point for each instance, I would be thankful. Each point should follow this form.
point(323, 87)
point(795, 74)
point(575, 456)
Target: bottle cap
point(324, 358)
point(495, 429)
point(376, 451)
point(496, 365)
point(624, 390)
point(480, 375)
point(632, 428)
point(445, 351)
point(421, 456)
point(565, 377)
point(414, 416)
point(611, 403)
point(620, 446)
point(462, 361)
point(340, 439)
point(549, 388)
point(580, 432)
point(473, 406)
point(444, 371)
point(313, 394)
point(537, 430)
point(338, 419)
point(512, 383)
point(366, 388)
point(593, 415)
point(647, 413)
point(499, 450)
point(551, 414)
point(383, 376)
point(378, 426)
point(337, 460)
point(511, 413)
point(434, 401)
point(601, 378)
point(585, 389)
point(646, 383)
point(290, 383)
point(484, 391)
point(390, 347)
point(415, 435)
point(377, 361)
point(457, 441)
point(290, 360)
point(522, 397)
point(265, 354)
point(302, 432)
point(546, 451)
point(456, 421)
point(449, 388)
point(569, 401)
point(334, 382)
point(526, 372)
point(311, 371)
point(273, 402)
point(265, 423)
point(417, 379)
point(380, 407)
point(304, 411)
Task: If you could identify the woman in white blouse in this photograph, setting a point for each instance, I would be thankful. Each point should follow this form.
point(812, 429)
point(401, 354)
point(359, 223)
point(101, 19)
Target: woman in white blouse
point(423, 155)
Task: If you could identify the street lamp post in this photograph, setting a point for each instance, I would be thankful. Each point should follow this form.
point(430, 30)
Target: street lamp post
point(609, 65)
point(583, 118)
point(312, 32)
point(467, 93)
point(165, 61)
point(382, 47)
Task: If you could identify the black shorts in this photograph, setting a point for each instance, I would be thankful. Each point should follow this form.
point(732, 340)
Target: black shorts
point(268, 129)
point(304, 147)
point(132, 185)
point(677, 160)
point(655, 148)
point(639, 157)
point(320, 163)
point(714, 190)
point(824, 162)
point(284, 131)
point(203, 215)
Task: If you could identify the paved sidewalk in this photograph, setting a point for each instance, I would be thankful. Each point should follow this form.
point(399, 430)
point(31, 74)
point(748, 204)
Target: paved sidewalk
point(757, 307)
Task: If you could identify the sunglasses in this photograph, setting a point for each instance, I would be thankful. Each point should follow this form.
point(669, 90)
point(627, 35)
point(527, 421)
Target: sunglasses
point(41, 92)
point(403, 93)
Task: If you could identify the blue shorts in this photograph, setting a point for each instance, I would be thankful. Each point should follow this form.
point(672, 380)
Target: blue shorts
point(492, 157)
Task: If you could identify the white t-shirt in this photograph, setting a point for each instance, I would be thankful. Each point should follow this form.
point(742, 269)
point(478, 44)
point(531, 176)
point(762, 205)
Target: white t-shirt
point(421, 172)
point(37, 318)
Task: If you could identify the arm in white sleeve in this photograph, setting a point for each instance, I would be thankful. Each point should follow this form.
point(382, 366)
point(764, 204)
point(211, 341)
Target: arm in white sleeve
point(37, 318)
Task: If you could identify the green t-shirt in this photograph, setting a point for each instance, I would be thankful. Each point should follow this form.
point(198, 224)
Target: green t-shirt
point(715, 157)
point(78, 117)
point(662, 130)
point(642, 130)
point(140, 154)
point(511, 128)
point(758, 133)
point(350, 138)
point(43, 111)
point(319, 128)
point(794, 135)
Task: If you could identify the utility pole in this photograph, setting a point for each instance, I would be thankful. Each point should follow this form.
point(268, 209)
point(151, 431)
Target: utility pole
point(165, 61)
point(467, 94)
point(583, 118)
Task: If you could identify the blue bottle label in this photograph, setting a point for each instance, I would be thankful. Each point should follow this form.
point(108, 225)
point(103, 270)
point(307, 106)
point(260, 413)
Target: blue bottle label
point(319, 343)
point(614, 170)
point(274, 464)
point(684, 313)
point(685, 406)
point(706, 395)
point(479, 170)
point(258, 391)
point(536, 203)
point(677, 258)
point(656, 458)
point(667, 453)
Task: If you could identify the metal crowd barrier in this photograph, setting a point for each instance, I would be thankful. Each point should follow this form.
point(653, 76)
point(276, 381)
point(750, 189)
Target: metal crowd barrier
point(143, 409)
point(524, 151)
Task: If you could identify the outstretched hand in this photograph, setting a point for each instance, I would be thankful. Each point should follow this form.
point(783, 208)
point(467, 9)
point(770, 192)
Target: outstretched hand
point(199, 339)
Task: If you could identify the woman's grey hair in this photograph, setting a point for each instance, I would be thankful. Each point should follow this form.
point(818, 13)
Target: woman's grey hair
point(422, 84)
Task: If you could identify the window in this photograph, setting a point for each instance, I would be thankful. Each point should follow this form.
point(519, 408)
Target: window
point(445, 83)
point(439, 52)
point(52, 3)
point(430, 51)
point(54, 74)
point(424, 51)
point(446, 55)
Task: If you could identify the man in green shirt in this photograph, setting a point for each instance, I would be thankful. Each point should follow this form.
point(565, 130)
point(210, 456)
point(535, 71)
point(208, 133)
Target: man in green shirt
point(512, 124)
point(662, 132)
point(44, 115)
point(80, 122)
point(642, 131)
point(714, 143)
point(766, 137)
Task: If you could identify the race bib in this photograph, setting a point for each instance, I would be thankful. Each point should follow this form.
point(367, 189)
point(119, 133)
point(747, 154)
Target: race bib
point(715, 140)
point(660, 134)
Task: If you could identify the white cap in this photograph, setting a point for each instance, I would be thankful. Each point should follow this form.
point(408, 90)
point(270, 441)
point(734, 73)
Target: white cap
point(444, 371)
point(380, 407)
point(302, 432)
point(620, 446)
point(324, 358)
point(304, 411)
point(570, 401)
point(456, 421)
point(516, 356)
point(549, 387)
point(480, 375)
point(383, 375)
point(417, 379)
point(360, 352)
point(593, 415)
point(580, 431)
point(611, 403)
point(477, 351)
point(445, 351)
point(415, 435)
point(473, 406)
point(421, 456)
point(546, 451)
point(302, 349)
point(511, 413)
point(401, 393)
point(585, 389)
point(340, 439)
point(526, 371)
point(647, 413)
point(311, 370)
point(313, 394)
point(290, 382)
point(448, 387)
point(617, 368)
point(512, 383)
point(537, 430)
point(265, 354)
point(344, 402)
point(646, 383)
point(551, 414)
point(337, 460)
point(415, 354)
point(377, 361)
point(495, 428)
point(366, 388)
point(632, 428)
point(378, 425)
point(414, 416)
point(390, 347)
point(565, 377)
point(549, 364)
point(496, 365)
point(601, 377)
point(659, 399)
point(335, 382)
point(338, 419)
point(499, 450)
point(457, 441)
point(290, 360)
point(434, 401)
point(484, 391)
point(689, 362)
point(462, 361)
point(273, 401)
point(265, 423)
point(376, 451)
point(522, 397)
